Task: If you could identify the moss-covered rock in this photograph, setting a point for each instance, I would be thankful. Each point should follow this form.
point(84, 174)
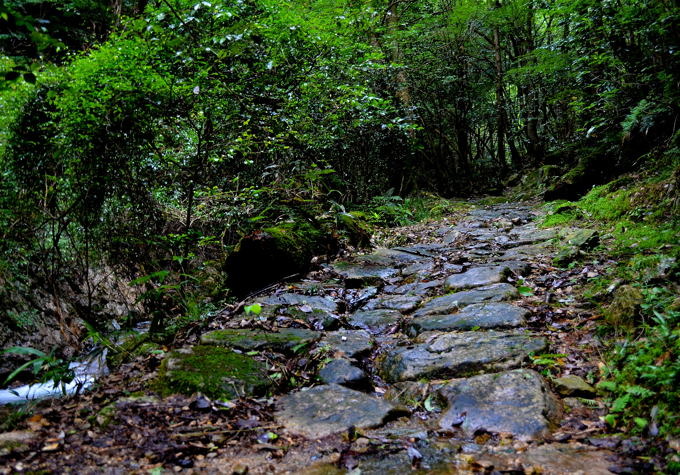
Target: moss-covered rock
point(625, 307)
point(214, 371)
point(357, 229)
point(286, 339)
point(572, 385)
point(583, 238)
point(577, 181)
point(270, 254)
point(566, 256)
point(106, 416)
point(577, 240)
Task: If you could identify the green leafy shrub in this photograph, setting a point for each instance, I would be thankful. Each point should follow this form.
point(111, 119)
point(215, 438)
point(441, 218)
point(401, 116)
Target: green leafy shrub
point(642, 378)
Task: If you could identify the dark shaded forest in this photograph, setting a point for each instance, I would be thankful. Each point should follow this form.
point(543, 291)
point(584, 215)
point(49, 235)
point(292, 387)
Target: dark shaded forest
point(161, 159)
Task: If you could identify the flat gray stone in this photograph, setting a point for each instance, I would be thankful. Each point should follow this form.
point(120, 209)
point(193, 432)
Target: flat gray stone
point(518, 267)
point(513, 402)
point(450, 303)
point(446, 355)
point(389, 257)
point(341, 371)
point(361, 275)
point(351, 343)
point(317, 310)
point(360, 297)
point(525, 252)
point(415, 288)
point(330, 409)
point(479, 315)
point(16, 441)
point(249, 340)
point(452, 236)
point(376, 321)
point(402, 303)
point(313, 301)
point(582, 238)
point(422, 267)
point(426, 250)
point(477, 277)
point(530, 234)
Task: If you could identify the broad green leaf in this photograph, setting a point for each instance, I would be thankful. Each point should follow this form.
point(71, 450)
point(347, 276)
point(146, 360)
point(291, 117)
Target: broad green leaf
point(254, 309)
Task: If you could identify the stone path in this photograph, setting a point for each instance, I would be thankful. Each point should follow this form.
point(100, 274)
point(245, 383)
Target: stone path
point(426, 355)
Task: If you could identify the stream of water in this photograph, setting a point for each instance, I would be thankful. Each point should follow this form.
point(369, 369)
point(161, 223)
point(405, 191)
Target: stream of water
point(86, 373)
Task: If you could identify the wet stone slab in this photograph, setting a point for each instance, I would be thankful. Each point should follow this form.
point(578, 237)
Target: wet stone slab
point(313, 301)
point(415, 288)
point(330, 409)
point(402, 303)
point(364, 274)
point(390, 257)
point(427, 250)
point(480, 315)
point(442, 355)
point(513, 402)
point(376, 321)
point(350, 343)
point(318, 311)
point(421, 268)
point(477, 277)
point(525, 252)
point(530, 234)
point(450, 303)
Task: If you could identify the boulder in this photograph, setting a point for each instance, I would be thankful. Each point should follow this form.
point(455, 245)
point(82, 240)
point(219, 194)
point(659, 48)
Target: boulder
point(270, 254)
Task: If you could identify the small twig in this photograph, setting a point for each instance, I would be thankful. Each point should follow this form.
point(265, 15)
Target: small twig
point(204, 433)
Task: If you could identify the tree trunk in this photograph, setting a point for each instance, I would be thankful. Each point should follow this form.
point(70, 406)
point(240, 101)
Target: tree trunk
point(500, 99)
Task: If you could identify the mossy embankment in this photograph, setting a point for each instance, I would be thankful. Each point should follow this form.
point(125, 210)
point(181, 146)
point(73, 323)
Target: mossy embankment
point(638, 220)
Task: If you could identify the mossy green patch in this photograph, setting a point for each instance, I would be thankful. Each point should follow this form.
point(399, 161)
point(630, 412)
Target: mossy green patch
point(493, 200)
point(249, 340)
point(214, 371)
point(299, 239)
